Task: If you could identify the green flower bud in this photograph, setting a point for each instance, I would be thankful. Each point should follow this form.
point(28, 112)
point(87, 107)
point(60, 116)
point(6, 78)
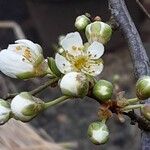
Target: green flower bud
point(98, 31)
point(145, 110)
point(5, 111)
point(103, 90)
point(98, 133)
point(74, 84)
point(143, 88)
point(25, 106)
point(81, 22)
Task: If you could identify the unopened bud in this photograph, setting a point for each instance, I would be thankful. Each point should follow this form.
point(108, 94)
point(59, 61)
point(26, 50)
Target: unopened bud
point(5, 111)
point(143, 88)
point(74, 84)
point(98, 31)
point(103, 90)
point(98, 133)
point(25, 106)
point(81, 22)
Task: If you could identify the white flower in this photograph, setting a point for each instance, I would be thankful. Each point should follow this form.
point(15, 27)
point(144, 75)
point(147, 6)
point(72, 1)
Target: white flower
point(98, 133)
point(98, 31)
point(5, 111)
point(23, 60)
point(25, 107)
point(78, 57)
point(74, 84)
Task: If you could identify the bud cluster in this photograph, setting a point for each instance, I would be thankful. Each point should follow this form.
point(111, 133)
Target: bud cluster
point(23, 107)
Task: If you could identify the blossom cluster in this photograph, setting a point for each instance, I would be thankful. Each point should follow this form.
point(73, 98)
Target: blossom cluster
point(75, 66)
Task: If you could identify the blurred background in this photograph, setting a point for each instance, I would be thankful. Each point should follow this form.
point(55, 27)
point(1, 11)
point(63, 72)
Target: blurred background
point(42, 21)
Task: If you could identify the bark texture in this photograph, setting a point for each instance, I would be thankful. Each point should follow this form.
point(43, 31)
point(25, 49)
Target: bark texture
point(138, 53)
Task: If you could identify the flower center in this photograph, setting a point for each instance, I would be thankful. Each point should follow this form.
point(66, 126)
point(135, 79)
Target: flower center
point(80, 62)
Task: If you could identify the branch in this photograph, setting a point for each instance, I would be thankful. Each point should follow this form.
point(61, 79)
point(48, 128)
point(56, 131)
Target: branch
point(143, 8)
point(142, 122)
point(35, 91)
point(138, 54)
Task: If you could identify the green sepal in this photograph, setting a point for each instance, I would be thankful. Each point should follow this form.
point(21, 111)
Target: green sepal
point(33, 109)
point(4, 103)
point(53, 67)
point(25, 75)
point(39, 60)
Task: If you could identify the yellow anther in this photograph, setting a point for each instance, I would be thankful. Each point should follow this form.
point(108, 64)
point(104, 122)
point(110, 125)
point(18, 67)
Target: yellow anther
point(27, 54)
point(18, 48)
point(80, 62)
point(74, 47)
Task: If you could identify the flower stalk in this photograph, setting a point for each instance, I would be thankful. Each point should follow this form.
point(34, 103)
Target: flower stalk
point(132, 101)
point(131, 107)
point(56, 101)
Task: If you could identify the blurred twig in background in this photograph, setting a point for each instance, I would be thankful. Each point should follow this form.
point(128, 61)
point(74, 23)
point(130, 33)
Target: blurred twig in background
point(143, 8)
point(15, 27)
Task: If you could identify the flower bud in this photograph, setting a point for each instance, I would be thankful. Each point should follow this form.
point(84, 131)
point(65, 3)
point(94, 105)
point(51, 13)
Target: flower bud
point(5, 111)
point(98, 31)
point(103, 90)
point(74, 84)
point(81, 22)
point(143, 88)
point(23, 60)
point(25, 106)
point(98, 133)
point(145, 110)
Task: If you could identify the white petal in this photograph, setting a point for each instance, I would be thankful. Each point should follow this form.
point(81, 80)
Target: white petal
point(12, 64)
point(13, 47)
point(62, 64)
point(95, 50)
point(30, 44)
point(39, 48)
point(69, 83)
point(71, 40)
point(94, 70)
point(100, 135)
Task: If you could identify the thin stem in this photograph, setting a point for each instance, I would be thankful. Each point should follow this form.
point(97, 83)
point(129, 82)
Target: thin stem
point(130, 107)
point(35, 91)
point(143, 8)
point(56, 101)
point(132, 100)
point(44, 86)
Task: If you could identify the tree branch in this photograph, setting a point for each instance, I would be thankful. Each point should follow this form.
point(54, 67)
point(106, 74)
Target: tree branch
point(142, 122)
point(138, 54)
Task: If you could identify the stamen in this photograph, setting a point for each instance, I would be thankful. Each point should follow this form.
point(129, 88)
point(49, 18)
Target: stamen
point(74, 47)
point(27, 54)
point(18, 48)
